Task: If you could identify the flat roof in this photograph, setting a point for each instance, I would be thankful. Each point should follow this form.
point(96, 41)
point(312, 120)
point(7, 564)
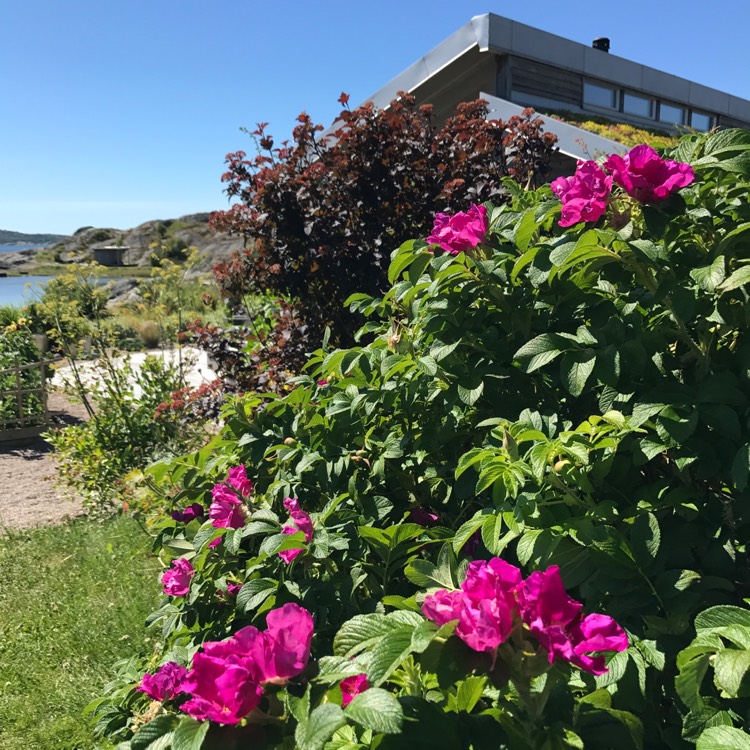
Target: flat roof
point(499, 35)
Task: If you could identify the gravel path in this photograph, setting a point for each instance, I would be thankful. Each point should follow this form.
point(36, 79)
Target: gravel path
point(28, 496)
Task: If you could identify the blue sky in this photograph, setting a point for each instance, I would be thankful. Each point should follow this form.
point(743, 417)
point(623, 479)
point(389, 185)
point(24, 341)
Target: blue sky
point(114, 113)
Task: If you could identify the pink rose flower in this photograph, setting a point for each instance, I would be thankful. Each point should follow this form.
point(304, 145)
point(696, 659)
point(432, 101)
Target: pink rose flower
point(443, 606)
point(165, 683)
point(215, 542)
point(196, 510)
point(238, 479)
point(226, 681)
point(484, 607)
point(176, 580)
point(300, 521)
point(353, 686)
point(222, 689)
point(226, 509)
point(645, 176)
point(462, 231)
point(556, 622)
point(584, 195)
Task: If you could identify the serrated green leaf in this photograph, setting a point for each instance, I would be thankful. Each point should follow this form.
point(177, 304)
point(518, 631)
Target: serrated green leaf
point(320, 726)
point(736, 279)
point(721, 616)
point(152, 731)
point(723, 738)
point(709, 277)
point(540, 351)
point(575, 369)
point(466, 531)
point(388, 654)
point(424, 574)
point(688, 682)
point(470, 395)
point(376, 709)
point(190, 734)
point(254, 593)
point(468, 693)
point(730, 666)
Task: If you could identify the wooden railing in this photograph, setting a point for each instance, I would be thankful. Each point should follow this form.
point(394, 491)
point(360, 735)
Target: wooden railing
point(23, 407)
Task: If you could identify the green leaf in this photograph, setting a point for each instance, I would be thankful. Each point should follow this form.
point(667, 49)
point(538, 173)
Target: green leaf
point(645, 538)
point(388, 654)
point(540, 351)
point(362, 631)
point(466, 531)
point(575, 369)
point(468, 694)
point(491, 530)
point(736, 279)
point(152, 731)
point(723, 738)
point(696, 722)
point(688, 682)
point(189, 734)
point(424, 574)
point(317, 730)
point(470, 395)
point(376, 709)
point(730, 666)
point(722, 616)
point(254, 593)
point(427, 365)
point(709, 277)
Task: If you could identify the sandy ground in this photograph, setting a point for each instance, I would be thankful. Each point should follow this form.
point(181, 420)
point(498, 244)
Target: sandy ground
point(28, 496)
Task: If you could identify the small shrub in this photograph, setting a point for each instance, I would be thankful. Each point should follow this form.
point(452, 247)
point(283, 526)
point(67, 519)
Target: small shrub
point(322, 213)
point(150, 332)
point(122, 433)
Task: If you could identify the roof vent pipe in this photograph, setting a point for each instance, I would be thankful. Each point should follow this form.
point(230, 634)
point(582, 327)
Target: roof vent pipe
point(602, 43)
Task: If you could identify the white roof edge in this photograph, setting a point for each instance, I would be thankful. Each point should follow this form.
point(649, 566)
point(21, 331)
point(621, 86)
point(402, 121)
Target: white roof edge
point(572, 141)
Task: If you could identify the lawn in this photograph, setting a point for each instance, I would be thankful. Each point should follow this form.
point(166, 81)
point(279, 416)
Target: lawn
point(73, 600)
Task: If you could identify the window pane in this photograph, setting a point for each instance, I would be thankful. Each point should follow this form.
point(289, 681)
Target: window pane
point(599, 96)
point(637, 105)
point(670, 114)
point(700, 121)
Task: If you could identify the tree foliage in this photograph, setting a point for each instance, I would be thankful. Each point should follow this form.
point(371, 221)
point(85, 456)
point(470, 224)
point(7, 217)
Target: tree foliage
point(323, 212)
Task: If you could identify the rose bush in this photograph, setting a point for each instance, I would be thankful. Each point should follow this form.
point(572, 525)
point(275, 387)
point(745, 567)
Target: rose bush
point(519, 514)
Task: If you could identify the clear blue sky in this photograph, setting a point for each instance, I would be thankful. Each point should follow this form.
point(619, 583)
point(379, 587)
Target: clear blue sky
point(114, 113)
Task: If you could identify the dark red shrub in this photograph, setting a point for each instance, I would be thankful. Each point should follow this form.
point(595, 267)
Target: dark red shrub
point(323, 214)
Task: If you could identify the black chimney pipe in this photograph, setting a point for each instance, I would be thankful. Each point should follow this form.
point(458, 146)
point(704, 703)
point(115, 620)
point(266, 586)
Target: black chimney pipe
point(602, 43)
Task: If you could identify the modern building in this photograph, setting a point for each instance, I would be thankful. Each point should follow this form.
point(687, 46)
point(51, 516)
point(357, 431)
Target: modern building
point(515, 66)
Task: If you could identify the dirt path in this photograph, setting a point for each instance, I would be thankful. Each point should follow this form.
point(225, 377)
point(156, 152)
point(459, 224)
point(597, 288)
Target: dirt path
point(28, 496)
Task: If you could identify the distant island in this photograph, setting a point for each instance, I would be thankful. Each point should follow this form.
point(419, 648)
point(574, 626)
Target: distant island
point(19, 238)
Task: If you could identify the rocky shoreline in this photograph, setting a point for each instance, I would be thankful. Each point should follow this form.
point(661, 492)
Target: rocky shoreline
point(187, 231)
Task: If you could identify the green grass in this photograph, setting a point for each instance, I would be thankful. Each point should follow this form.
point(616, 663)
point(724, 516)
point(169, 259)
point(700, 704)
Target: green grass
point(73, 600)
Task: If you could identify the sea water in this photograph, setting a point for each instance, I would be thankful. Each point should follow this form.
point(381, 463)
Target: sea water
point(20, 290)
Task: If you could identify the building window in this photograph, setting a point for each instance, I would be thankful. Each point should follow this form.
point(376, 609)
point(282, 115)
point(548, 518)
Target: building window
point(640, 106)
point(670, 114)
point(599, 96)
point(700, 121)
